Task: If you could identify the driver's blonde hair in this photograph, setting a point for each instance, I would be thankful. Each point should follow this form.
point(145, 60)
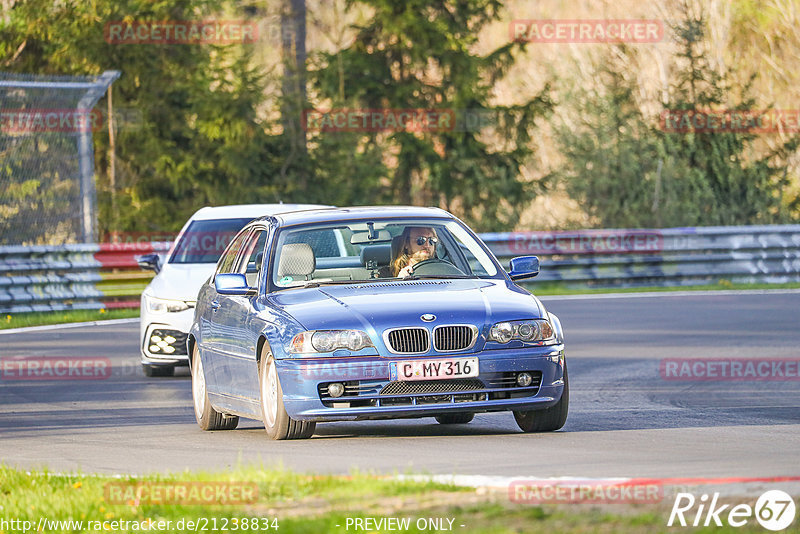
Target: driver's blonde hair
point(404, 256)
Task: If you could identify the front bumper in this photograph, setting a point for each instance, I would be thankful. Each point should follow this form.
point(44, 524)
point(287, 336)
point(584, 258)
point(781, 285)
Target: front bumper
point(371, 395)
point(166, 325)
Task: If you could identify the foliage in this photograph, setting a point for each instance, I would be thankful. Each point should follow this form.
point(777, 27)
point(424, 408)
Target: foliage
point(199, 141)
point(629, 170)
point(417, 55)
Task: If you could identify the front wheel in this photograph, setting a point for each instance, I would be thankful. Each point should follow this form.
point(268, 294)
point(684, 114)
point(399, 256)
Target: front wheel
point(549, 419)
point(207, 417)
point(277, 422)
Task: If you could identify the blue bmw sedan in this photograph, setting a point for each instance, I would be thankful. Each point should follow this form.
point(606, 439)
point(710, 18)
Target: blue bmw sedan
point(371, 313)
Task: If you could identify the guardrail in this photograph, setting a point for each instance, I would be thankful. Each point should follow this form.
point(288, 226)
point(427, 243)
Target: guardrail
point(73, 277)
point(664, 257)
point(45, 278)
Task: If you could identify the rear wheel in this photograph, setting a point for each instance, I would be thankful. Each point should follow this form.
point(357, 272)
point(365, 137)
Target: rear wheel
point(549, 419)
point(207, 417)
point(277, 422)
point(454, 418)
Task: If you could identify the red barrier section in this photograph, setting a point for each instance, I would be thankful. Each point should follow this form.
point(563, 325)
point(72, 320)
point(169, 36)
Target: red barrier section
point(122, 255)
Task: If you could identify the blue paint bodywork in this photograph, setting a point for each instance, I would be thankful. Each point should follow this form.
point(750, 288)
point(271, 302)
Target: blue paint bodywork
point(229, 335)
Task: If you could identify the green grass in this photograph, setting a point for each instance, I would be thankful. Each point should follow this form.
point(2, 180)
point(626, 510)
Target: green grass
point(562, 289)
point(17, 320)
point(314, 504)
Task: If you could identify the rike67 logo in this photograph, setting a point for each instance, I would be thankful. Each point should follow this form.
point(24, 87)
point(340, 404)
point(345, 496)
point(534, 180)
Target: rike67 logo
point(774, 510)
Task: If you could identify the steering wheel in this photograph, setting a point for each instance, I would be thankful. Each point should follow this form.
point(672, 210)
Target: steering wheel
point(435, 267)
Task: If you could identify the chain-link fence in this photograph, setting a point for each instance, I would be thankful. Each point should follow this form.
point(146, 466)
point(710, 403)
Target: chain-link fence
point(47, 192)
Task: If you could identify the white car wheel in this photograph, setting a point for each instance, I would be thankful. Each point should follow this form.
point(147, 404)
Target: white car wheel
point(277, 422)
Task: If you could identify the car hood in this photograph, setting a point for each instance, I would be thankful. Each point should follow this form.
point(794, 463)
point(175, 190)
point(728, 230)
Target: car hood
point(180, 281)
point(386, 304)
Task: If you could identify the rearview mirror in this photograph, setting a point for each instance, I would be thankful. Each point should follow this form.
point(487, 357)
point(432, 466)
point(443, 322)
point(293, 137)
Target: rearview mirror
point(524, 267)
point(231, 284)
point(361, 238)
point(149, 262)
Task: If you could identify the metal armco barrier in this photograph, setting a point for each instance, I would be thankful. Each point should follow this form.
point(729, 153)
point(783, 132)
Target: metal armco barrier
point(42, 278)
point(72, 277)
point(658, 257)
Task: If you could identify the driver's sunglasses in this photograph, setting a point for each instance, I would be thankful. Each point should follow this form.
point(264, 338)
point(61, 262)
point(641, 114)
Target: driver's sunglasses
point(432, 241)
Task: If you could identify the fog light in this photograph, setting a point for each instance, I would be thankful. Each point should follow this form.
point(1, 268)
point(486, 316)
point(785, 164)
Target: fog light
point(524, 380)
point(336, 389)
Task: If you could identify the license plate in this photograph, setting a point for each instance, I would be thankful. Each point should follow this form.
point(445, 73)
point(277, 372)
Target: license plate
point(433, 369)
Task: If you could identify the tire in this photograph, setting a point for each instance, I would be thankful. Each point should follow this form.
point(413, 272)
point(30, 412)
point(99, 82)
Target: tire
point(277, 422)
point(158, 370)
point(549, 419)
point(207, 417)
point(454, 418)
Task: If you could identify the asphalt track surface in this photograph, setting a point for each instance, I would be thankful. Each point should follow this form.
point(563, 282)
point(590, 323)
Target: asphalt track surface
point(625, 419)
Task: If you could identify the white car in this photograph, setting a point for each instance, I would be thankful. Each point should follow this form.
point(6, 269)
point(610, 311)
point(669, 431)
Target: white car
point(167, 305)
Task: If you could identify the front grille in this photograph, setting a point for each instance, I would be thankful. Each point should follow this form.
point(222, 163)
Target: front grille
point(452, 338)
point(408, 340)
point(431, 386)
point(167, 342)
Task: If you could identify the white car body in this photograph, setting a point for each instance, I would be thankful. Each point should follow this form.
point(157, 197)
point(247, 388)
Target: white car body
point(167, 304)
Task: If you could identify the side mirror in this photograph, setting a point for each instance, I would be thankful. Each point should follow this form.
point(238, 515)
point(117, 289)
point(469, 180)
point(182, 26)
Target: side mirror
point(231, 284)
point(524, 267)
point(149, 262)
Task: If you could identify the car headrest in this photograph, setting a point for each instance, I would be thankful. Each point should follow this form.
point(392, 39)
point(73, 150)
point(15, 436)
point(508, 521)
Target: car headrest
point(397, 245)
point(259, 258)
point(296, 259)
point(379, 255)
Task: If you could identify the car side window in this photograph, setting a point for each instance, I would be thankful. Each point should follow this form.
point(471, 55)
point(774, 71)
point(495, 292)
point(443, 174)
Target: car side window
point(252, 255)
point(229, 256)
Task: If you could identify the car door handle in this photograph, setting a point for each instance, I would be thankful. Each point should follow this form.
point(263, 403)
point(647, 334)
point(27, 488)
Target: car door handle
point(214, 305)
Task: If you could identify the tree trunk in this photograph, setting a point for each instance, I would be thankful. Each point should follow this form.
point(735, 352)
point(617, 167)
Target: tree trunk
point(293, 51)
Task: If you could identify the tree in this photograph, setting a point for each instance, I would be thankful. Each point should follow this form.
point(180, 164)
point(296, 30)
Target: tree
point(742, 186)
point(417, 55)
point(629, 170)
point(199, 142)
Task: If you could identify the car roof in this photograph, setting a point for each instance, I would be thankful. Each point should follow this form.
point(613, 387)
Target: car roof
point(360, 212)
point(249, 211)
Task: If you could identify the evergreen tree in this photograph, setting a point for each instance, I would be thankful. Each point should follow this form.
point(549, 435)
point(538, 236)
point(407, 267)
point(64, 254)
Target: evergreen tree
point(738, 186)
point(418, 55)
point(199, 142)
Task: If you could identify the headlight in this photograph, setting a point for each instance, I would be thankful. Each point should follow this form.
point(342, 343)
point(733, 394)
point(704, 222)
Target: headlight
point(155, 305)
point(534, 330)
point(330, 340)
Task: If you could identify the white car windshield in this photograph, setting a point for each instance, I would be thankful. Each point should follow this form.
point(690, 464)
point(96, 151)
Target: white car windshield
point(375, 250)
point(204, 241)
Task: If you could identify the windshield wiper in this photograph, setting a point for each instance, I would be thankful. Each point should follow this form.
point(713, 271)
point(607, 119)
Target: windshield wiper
point(317, 283)
point(435, 276)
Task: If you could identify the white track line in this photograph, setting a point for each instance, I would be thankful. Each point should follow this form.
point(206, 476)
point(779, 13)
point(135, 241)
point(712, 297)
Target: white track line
point(650, 294)
point(48, 327)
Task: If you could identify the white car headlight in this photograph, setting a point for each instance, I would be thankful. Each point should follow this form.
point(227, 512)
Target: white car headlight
point(329, 341)
point(155, 305)
point(534, 330)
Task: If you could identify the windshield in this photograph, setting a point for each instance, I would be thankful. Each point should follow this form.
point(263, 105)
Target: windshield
point(205, 241)
point(366, 251)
